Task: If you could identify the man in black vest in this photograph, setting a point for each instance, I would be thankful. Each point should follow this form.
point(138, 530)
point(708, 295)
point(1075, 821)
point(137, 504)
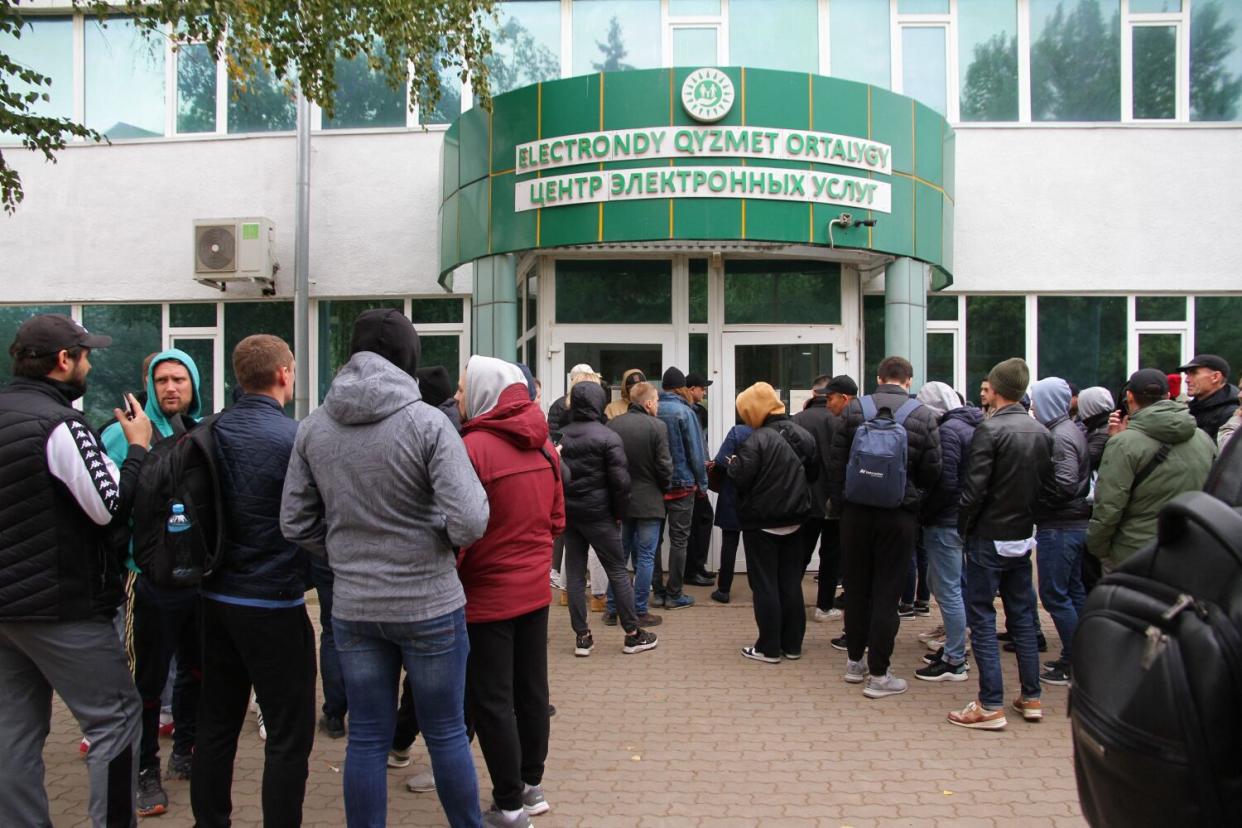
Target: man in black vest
point(59, 580)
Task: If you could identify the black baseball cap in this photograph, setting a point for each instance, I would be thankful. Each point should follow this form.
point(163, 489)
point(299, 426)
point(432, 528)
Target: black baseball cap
point(1148, 381)
point(50, 333)
point(673, 378)
point(696, 380)
point(634, 379)
point(1210, 361)
point(841, 384)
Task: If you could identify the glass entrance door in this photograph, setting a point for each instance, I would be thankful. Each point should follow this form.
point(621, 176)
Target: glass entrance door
point(610, 352)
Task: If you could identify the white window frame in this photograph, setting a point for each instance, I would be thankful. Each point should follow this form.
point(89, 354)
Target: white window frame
point(669, 23)
point(1135, 328)
point(956, 327)
point(1180, 22)
point(899, 23)
point(213, 334)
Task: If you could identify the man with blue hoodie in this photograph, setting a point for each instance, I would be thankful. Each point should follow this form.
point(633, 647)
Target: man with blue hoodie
point(1061, 517)
point(162, 621)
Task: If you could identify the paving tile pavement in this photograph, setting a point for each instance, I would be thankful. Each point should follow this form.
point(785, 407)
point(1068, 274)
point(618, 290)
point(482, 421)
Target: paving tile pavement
point(692, 734)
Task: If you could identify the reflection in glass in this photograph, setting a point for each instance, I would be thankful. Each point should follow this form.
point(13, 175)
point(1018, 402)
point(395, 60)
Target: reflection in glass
point(775, 292)
point(1082, 339)
point(612, 360)
point(786, 367)
point(1216, 329)
point(1075, 60)
point(448, 108)
point(942, 308)
point(196, 88)
point(859, 34)
point(1216, 60)
point(924, 65)
point(615, 35)
point(364, 98)
point(636, 292)
point(1154, 72)
point(1160, 351)
point(46, 46)
point(135, 332)
point(940, 357)
point(336, 328)
point(922, 6)
point(1160, 308)
point(526, 48)
point(441, 350)
point(698, 291)
point(241, 319)
point(987, 32)
point(774, 34)
point(260, 103)
point(874, 313)
point(203, 352)
point(698, 354)
point(1154, 6)
point(694, 47)
point(427, 311)
point(124, 79)
point(693, 8)
point(995, 331)
point(192, 315)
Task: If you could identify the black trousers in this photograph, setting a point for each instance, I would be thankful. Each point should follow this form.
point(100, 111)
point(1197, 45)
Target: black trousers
point(700, 537)
point(774, 568)
point(273, 650)
point(165, 621)
point(878, 544)
point(826, 533)
point(604, 536)
point(507, 691)
point(728, 558)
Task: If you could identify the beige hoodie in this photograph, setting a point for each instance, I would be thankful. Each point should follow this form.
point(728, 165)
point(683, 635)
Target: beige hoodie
point(757, 403)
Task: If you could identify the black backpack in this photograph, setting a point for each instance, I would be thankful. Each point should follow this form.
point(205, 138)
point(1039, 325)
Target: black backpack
point(1156, 704)
point(179, 469)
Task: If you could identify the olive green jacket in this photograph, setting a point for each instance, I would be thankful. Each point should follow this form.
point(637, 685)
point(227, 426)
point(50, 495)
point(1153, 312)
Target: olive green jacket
point(1120, 523)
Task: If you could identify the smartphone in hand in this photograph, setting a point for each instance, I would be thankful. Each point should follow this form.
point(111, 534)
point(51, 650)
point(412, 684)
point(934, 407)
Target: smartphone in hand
point(126, 407)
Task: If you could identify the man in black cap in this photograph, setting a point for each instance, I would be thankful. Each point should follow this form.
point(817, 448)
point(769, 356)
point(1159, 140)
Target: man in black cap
point(1215, 399)
point(59, 582)
point(701, 519)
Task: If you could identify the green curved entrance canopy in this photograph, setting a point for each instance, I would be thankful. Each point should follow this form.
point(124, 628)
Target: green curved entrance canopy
point(729, 154)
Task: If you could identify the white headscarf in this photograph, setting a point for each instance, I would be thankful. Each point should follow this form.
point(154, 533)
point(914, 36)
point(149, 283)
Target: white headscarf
point(939, 397)
point(485, 379)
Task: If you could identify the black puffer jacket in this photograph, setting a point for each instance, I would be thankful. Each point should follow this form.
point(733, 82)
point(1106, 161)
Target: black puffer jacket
point(598, 484)
point(1214, 410)
point(1009, 464)
point(772, 471)
point(922, 455)
point(822, 425)
point(558, 418)
point(957, 429)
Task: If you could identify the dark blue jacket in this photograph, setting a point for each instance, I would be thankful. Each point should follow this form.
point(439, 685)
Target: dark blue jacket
point(254, 439)
point(957, 429)
point(726, 504)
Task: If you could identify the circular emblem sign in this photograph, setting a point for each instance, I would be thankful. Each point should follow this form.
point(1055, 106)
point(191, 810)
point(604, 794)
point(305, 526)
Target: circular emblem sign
point(707, 95)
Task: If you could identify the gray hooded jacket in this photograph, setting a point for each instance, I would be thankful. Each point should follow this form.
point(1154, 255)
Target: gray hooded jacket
point(1063, 502)
point(381, 482)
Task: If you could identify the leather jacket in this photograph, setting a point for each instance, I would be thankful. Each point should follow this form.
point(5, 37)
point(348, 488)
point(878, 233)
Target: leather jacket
point(1009, 466)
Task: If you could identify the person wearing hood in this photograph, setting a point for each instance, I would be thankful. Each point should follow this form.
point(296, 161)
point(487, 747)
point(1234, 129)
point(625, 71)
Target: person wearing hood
point(504, 574)
point(558, 410)
point(773, 470)
point(938, 518)
point(1061, 519)
point(596, 499)
point(437, 390)
point(1215, 399)
point(1094, 406)
point(629, 379)
point(380, 484)
point(163, 621)
point(1155, 454)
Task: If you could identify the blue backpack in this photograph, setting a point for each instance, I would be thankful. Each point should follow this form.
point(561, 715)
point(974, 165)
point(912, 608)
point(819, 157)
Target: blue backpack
point(876, 472)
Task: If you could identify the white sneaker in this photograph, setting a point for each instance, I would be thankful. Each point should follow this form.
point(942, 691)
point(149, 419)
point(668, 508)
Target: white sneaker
point(886, 685)
point(821, 615)
point(554, 577)
point(855, 672)
point(424, 782)
point(934, 644)
point(399, 758)
point(262, 727)
point(932, 634)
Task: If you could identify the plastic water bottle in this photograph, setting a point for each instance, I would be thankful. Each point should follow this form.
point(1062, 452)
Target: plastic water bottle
point(185, 571)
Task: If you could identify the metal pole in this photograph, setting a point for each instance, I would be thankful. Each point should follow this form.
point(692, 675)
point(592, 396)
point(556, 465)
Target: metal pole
point(301, 265)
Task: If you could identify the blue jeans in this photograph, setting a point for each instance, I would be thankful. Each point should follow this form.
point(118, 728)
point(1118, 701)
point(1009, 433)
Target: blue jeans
point(1059, 559)
point(639, 539)
point(986, 574)
point(334, 703)
point(944, 572)
point(434, 653)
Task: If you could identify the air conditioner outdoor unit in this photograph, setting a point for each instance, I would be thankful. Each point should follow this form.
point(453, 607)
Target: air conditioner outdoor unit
point(235, 250)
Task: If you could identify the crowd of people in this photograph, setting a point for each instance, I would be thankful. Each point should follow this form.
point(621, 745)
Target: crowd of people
point(428, 520)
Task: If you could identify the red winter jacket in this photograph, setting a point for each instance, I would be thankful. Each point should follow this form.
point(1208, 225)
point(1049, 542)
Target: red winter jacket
point(505, 573)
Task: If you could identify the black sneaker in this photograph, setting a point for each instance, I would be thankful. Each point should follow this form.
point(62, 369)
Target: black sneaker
point(179, 766)
point(638, 641)
point(840, 643)
point(941, 670)
point(1011, 647)
point(905, 610)
point(152, 801)
point(333, 726)
point(922, 608)
point(1004, 636)
point(1058, 675)
point(720, 597)
point(610, 619)
point(932, 658)
point(583, 645)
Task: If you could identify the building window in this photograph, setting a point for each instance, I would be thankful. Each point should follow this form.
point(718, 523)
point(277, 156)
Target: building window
point(1216, 329)
point(1216, 60)
point(443, 350)
point(336, 328)
point(693, 8)
point(364, 97)
point(774, 34)
point(192, 315)
point(242, 319)
point(1160, 308)
point(1075, 60)
point(124, 72)
point(1082, 339)
point(782, 293)
point(921, 59)
point(261, 103)
point(116, 370)
point(987, 39)
point(1152, 60)
point(995, 331)
point(12, 317)
point(614, 292)
point(615, 35)
point(196, 88)
point(698, 291)
point(873, 340)
point(46, 46)
point(526, 46)
point(859, 37)
point(695, 33)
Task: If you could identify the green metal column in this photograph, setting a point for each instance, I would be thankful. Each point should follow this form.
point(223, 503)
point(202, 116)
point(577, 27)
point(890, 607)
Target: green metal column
point(494, 309)
point(905, 314)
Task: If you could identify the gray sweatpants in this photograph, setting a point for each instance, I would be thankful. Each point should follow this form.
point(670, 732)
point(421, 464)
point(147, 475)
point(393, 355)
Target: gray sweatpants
point(85, 664)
